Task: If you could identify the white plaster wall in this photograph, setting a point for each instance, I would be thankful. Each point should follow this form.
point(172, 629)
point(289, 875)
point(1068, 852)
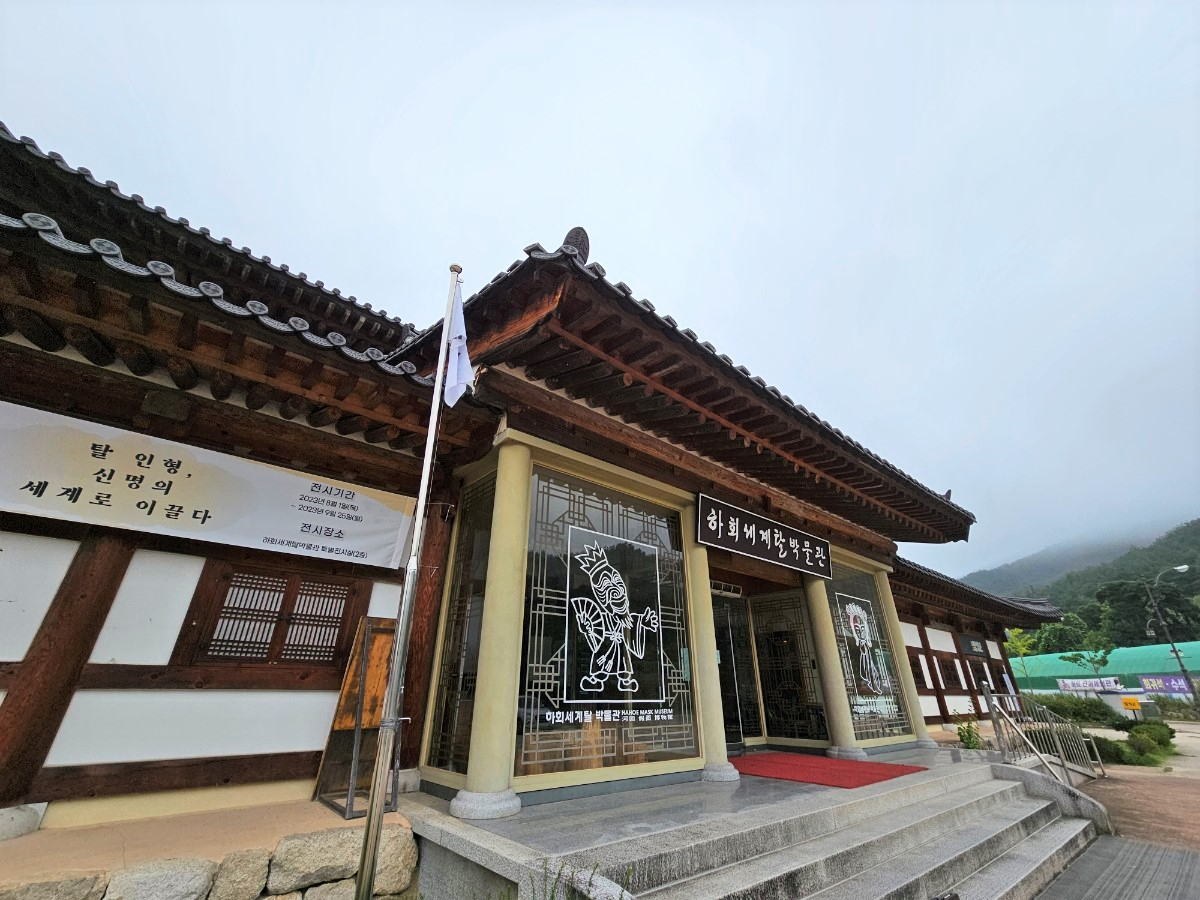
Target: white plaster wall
point(149, 609)
point(912, 637)
point(929, 707)
point(941, 640)
point(937, 670)
point(994, 650)
point(385, 600)
point(959, 705)
point(925, 671)
point(127, 726)
point(31, 569)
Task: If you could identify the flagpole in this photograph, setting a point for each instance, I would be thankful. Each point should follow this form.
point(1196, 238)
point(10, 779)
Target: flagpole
point(393, 700)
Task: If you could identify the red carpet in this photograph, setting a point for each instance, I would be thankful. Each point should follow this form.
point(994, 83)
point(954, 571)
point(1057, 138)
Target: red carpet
point(843, 773)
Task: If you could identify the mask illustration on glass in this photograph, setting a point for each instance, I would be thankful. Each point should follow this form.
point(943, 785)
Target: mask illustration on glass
point(868, 671)
point(612, 633)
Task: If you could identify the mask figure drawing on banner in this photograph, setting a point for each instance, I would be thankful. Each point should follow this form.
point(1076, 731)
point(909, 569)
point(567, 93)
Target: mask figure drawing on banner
point(868, 671)
point(612, 633)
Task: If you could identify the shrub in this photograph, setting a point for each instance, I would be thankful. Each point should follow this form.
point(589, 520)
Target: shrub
point(1088, 710)
point(1125, 753)
point(1108, 749)
point(968, 734)
point(1142, 744)
point(1158, 732)
point(1175, 709)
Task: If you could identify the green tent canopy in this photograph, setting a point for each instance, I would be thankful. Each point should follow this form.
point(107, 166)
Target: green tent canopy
point(1125, 663)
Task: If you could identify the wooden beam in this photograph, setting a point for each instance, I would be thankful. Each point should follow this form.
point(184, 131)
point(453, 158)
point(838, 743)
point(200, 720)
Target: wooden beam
point(89, 346)
point(258, 396)
point(137, 360)
point(422, 636)
point(35, 329)
point(221, 385)
point(557, 329)
point(130, 677)
point(116, 779)
point(182, 373)
point(500, 388)
point(35, 704)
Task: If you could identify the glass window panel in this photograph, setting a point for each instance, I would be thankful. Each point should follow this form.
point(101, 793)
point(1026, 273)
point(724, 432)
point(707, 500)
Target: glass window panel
point(868, 665)
point(606, 665)
point(450, 737)
point(787, 669)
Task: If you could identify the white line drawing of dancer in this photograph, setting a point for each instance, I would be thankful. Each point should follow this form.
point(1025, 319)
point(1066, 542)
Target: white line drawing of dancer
point(606, 624)
point(868, 672)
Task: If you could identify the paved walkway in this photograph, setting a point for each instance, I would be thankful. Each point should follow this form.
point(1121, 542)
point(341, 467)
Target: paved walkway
point(1121, 869)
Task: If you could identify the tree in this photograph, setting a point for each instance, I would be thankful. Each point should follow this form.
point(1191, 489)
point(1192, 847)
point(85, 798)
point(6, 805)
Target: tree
point(1129, 611)
point(1062, 637)
point(1093, 653)
point(1021, 643)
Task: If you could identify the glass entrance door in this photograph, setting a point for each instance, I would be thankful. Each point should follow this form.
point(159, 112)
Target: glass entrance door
point(735, 664)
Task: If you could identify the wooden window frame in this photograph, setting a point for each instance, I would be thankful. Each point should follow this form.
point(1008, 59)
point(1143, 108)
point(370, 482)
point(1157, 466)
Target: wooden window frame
point(208, 601)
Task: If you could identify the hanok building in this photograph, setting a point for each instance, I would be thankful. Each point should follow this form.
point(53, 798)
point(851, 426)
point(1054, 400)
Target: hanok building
point(639, 555)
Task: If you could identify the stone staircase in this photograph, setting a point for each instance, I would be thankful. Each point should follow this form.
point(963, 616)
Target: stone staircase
point(957, 828)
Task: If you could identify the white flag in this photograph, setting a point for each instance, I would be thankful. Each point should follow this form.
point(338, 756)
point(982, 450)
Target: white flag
point(459, 373)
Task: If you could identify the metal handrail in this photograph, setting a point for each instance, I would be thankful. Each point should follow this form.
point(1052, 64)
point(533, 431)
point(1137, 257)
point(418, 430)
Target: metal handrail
point(1019, 722)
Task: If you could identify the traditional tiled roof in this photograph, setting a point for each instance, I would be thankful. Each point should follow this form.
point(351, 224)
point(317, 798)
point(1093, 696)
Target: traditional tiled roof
point(1039, 609)
point(573, 254)
point(103, 250)
point(225, 244)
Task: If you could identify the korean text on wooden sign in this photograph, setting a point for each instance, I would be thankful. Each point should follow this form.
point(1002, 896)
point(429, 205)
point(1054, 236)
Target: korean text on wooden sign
point(740, 531)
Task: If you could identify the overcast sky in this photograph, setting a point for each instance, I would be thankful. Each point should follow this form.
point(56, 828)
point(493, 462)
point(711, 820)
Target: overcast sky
point(965, 234)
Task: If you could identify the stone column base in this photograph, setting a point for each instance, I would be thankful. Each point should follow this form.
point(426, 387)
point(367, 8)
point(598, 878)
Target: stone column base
point(846, 753)
point(18, 820)
point(927, 743)
point(491, 805)
point(720, 772)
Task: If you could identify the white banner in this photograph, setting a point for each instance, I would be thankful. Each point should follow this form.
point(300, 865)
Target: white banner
point(1089, 684)
point(64, 468)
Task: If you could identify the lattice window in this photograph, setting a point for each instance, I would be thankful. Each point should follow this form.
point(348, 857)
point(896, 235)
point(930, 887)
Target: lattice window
point(868, 662)
point(250, 614)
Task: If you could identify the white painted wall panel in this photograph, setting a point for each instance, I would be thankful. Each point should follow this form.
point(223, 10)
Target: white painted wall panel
point(126, 726)
point(31, 569)
point(149, 609)
point(385, 600)
point(925, 671)
point(912, 637)
point(929, 707)
point(994, 650)
point(960, 705)
point(962, 679)
point(941, 640)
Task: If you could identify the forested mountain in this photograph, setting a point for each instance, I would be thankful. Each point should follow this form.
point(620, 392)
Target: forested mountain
point(1179, 546)
point(1107, 604)
point(1024, 577)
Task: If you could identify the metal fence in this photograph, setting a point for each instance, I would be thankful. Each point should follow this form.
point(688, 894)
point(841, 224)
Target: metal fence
point(1026, 729)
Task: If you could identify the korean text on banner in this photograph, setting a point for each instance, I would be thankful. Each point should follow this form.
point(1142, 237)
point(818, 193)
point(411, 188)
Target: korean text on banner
point(62, 468)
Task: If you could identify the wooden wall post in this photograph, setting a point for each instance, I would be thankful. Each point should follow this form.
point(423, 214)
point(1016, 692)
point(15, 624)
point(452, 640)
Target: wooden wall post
point(935, 674)
point(435, 558)
point(38, 699)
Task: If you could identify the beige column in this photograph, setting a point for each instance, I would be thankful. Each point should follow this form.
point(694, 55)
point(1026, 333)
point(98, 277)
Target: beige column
point(843, 744)
point(489, 794)
point(706, 678)
point(912, 700)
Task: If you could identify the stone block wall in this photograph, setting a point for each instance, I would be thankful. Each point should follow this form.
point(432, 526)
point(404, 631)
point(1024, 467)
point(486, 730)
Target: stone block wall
point(320, 865)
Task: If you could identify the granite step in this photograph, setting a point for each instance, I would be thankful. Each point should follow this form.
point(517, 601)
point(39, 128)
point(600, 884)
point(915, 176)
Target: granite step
point(1025, 869)
point(651, 861)
point(936, 866)
point(841, 855)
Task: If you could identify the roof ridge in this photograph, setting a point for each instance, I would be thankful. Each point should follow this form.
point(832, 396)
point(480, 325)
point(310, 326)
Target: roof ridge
point(577, 260)
point(110, 253)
